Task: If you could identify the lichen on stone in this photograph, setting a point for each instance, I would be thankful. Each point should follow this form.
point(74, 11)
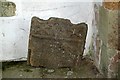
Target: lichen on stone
point(7, 9)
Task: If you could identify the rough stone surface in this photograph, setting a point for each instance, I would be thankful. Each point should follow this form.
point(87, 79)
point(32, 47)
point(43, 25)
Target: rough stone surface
point(0, 70)
point(111, 4)
point(113, 68)
point(7, 9)
point(106, 41)
point(56, 42)
point(21, 70)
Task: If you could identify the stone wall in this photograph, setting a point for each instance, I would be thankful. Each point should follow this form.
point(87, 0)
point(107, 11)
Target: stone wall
point(105, 44)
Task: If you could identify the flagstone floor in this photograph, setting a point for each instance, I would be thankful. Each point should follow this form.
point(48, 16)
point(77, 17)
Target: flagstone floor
point(22, 70)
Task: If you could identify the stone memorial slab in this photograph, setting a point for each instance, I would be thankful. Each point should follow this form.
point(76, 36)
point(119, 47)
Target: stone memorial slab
point(56, 42)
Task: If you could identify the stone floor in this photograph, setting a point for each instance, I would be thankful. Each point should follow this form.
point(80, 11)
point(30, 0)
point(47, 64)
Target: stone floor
point(22, 70)
point(0, 70)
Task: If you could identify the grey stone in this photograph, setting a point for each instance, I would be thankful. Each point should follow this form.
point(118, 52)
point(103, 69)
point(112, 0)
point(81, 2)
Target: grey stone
point(106, 39)
point(56, 42)
point(69, 73)
point(50, 70)
point(7, 9)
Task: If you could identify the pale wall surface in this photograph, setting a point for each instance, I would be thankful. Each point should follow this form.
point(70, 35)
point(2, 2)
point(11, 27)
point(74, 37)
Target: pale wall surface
point(14, 31)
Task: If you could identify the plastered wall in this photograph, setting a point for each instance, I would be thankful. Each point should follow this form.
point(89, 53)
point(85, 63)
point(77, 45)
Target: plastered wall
point(14, 29)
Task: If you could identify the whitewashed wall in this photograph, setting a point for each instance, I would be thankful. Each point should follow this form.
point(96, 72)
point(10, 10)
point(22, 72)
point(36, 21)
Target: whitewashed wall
point(14, 31)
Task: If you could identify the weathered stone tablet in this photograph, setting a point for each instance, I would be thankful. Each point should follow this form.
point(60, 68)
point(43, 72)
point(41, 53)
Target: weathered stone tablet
point(56, 42)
